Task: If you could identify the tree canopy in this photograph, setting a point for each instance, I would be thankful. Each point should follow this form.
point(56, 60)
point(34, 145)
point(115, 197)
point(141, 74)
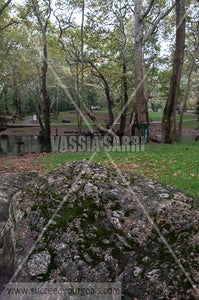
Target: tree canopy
point(117, 55)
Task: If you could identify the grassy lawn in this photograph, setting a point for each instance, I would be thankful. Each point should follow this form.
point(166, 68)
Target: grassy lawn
point(193, 124)
point(157, 116)
point(176, 165)
point(98, 112)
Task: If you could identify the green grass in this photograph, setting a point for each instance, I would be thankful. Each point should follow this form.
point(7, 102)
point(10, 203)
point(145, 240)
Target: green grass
point(193, 124)
point(157, 116)
point(98, 112)
point(176, 165)
point(187, 116)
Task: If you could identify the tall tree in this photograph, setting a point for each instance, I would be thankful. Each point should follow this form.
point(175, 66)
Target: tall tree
point(140, 111)
point(184, 106)
point(140, 94)
point(43, 14)
point(82, 67)
point(72, 40)
point(108, 55)
point(121, 12)
point(169, 133)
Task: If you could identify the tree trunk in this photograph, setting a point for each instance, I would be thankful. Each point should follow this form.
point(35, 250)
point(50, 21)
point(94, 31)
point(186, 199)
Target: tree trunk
point(101, 129)
point(78, 98)
point(110, 104)
point(140, 108)
point(16, 97)
point(82, 70)
point(46, 131)
point(140, 112)
point(124, 83)
point(185, 100)
point(197, 107)
point(107, 93)
point(169, 134)
point(125, 103)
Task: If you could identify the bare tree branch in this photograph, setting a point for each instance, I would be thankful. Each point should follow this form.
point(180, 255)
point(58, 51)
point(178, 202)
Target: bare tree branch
point(4, 6)
point(49, 13)
point(9, 24)
point(157, 22)
point(38, 15)
point(148, 10)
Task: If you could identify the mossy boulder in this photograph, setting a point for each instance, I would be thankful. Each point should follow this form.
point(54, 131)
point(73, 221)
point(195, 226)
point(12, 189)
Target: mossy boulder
point(87, 222)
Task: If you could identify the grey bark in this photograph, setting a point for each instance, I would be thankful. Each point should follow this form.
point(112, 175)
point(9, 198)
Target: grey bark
point(140, 111)
point(82, 69)
point(46, 130)
point(185, 100)
point(169, 132)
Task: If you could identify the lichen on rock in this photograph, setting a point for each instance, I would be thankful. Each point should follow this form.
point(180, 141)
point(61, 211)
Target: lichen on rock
point(99, 226)
point(39, 263)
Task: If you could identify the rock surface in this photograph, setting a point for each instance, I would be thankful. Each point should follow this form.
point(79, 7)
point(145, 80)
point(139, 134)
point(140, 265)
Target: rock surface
point(9, 185)
point(99, 226)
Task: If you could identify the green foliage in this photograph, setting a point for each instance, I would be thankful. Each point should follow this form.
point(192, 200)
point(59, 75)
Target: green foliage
point(155, 106)
point(108, 30)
